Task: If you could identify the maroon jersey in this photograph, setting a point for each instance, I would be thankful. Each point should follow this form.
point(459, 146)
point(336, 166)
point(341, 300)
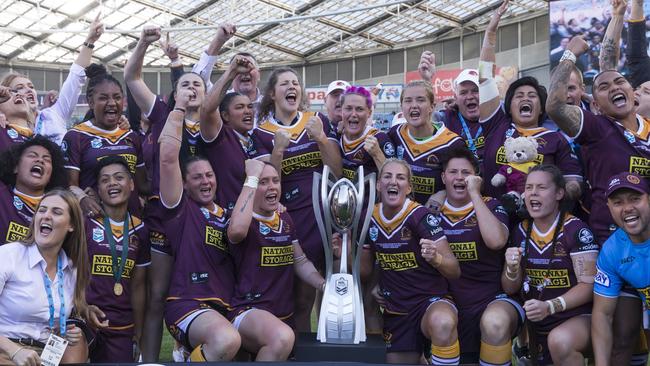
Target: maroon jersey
point(227, 154)
point(552, 149)
point(203, 268)
point(425, 157)
point(16, 213)
point(301, 158)
point(354, 155)
point(406, 279)
point(480, 266)
point(552, 264)
point(12, 135)
point(264, 266)
point(118, 309)
point(612, 149)
point(151, 149)
point(474, 136)
point(85, 145)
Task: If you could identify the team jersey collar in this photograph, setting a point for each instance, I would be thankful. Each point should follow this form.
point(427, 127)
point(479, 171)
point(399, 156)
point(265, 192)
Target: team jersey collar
point(22, 130)
point(272, 221)
point(276, 121)
point(455, 214)
point(31, 201)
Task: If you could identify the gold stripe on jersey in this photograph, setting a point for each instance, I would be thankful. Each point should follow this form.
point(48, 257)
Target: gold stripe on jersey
point(396, 222)
point(350, 146)
point(453, 215)
point(87, 128)
point(534, 132)
point(193, 128)
point(135, 224)
point(644, 130)
point(30, 201)
point(274, 222)
point(297, 130)
point(541, 241)
point(442, 138)
point(24, 131)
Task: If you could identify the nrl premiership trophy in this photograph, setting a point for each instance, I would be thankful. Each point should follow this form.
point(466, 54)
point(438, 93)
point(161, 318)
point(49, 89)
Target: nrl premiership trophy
point(341, 318)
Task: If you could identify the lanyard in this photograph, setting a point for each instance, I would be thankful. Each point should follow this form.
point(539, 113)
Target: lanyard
point(50, 300)
point(470, 139)
point(118, 266)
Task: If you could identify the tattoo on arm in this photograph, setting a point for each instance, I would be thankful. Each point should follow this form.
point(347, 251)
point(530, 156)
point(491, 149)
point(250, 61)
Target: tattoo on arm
point(567, 117)
point(608, 55)
point(584, 266)
point(243, 207)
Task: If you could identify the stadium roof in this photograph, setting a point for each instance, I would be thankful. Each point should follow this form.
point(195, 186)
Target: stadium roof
point(376, 27)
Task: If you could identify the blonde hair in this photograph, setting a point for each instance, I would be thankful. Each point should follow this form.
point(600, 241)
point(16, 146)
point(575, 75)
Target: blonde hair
point(403, 163)
point(9, 77)
point(74, 246)
point(428, 89)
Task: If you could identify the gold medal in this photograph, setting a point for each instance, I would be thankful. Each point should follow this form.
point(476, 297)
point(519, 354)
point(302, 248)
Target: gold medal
point(118, 289)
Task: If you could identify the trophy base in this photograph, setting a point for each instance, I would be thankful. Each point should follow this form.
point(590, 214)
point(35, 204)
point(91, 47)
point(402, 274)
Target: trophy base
point(308, 349)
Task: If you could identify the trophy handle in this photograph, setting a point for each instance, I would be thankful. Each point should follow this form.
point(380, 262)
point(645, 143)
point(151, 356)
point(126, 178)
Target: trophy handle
point(320, 184)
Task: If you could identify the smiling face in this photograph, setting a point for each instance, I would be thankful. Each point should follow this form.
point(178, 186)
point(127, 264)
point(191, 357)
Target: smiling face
point(52, 223)
point(107, 104)
point(642, 99)
point(34, 170)
point(267, 195)
point(631, 212)
point(16, 107)
point(287, 93)
point(525, 107)
point(333, 105)
point(247, 83)
point(467, 100)
point(613, 95)
point(200, 182)
point(355, 113)
point(114, 185)
point(453, 177)
point(25, 87)
point(542, 195)
point(239, 115)
point(193, 82)
point(575, 90)
point(417, 107)
point(394, 185)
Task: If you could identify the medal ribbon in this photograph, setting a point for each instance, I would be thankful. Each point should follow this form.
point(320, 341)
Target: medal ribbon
point(118, 268)
point(50, 299)
point(470, 139)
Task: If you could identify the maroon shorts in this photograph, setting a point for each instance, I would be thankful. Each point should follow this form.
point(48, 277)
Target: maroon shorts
point(179, 315)
point(153, 221)
point(402, 333)
point(112, 346)
point(309, 235)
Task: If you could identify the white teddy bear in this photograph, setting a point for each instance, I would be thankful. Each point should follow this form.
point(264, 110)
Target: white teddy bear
point(520, 153)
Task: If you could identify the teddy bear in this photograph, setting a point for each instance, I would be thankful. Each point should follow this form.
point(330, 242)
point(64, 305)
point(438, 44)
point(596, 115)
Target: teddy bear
point(520, 153)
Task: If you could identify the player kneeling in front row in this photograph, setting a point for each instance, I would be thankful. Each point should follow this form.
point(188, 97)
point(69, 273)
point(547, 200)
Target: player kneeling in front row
point(623, 259)
point(266, 254)
point(414, 264)
point(476, 228)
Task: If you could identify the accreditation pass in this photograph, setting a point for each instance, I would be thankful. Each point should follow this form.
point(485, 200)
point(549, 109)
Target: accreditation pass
point(53, 351)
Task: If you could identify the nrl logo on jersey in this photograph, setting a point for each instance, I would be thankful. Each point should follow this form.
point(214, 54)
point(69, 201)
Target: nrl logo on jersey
point(374, 233)
point(264, 230)
point(98, 235)
point(12, 133)
point(96, 143)
point(18, 203)
point(205, 212)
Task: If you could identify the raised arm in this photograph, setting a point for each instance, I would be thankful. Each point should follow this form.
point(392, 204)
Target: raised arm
point(209, 57)
point(427, 66)
point(171, 187)
point(329, 149)
point(170, 49)
point(493, 231)
point(488, 92)
point(210, 117)
point(568, 117)
point(133, 69)
point(637, 46)
point(242, 213)
point(611, 50)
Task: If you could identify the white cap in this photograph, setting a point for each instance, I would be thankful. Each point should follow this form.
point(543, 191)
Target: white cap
point(466, 75)
point(337, 85)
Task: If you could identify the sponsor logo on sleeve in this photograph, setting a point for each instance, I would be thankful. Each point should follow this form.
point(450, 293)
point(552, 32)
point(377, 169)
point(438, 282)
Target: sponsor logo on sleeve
point(601, 278)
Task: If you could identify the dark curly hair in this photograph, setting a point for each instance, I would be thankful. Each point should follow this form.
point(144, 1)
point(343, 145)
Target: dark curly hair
point(9, 160)
point(530, 81)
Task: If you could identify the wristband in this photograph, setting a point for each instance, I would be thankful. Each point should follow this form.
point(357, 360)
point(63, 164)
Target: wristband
point(179, 109)
point(322, 287)
point(568, 55)
point(485, 69)
point(15, 353)
point(551, 307)
point(89, 45)
point(176, 62)
point(508, 273)
point(251, 182)
point(488, 90)
point(562, 304)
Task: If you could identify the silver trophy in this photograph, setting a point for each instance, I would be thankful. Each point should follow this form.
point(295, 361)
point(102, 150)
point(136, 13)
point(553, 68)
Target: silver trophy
point(338, 205)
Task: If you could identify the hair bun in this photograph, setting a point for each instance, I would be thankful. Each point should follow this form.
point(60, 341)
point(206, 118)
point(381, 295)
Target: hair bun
point(95, 70)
